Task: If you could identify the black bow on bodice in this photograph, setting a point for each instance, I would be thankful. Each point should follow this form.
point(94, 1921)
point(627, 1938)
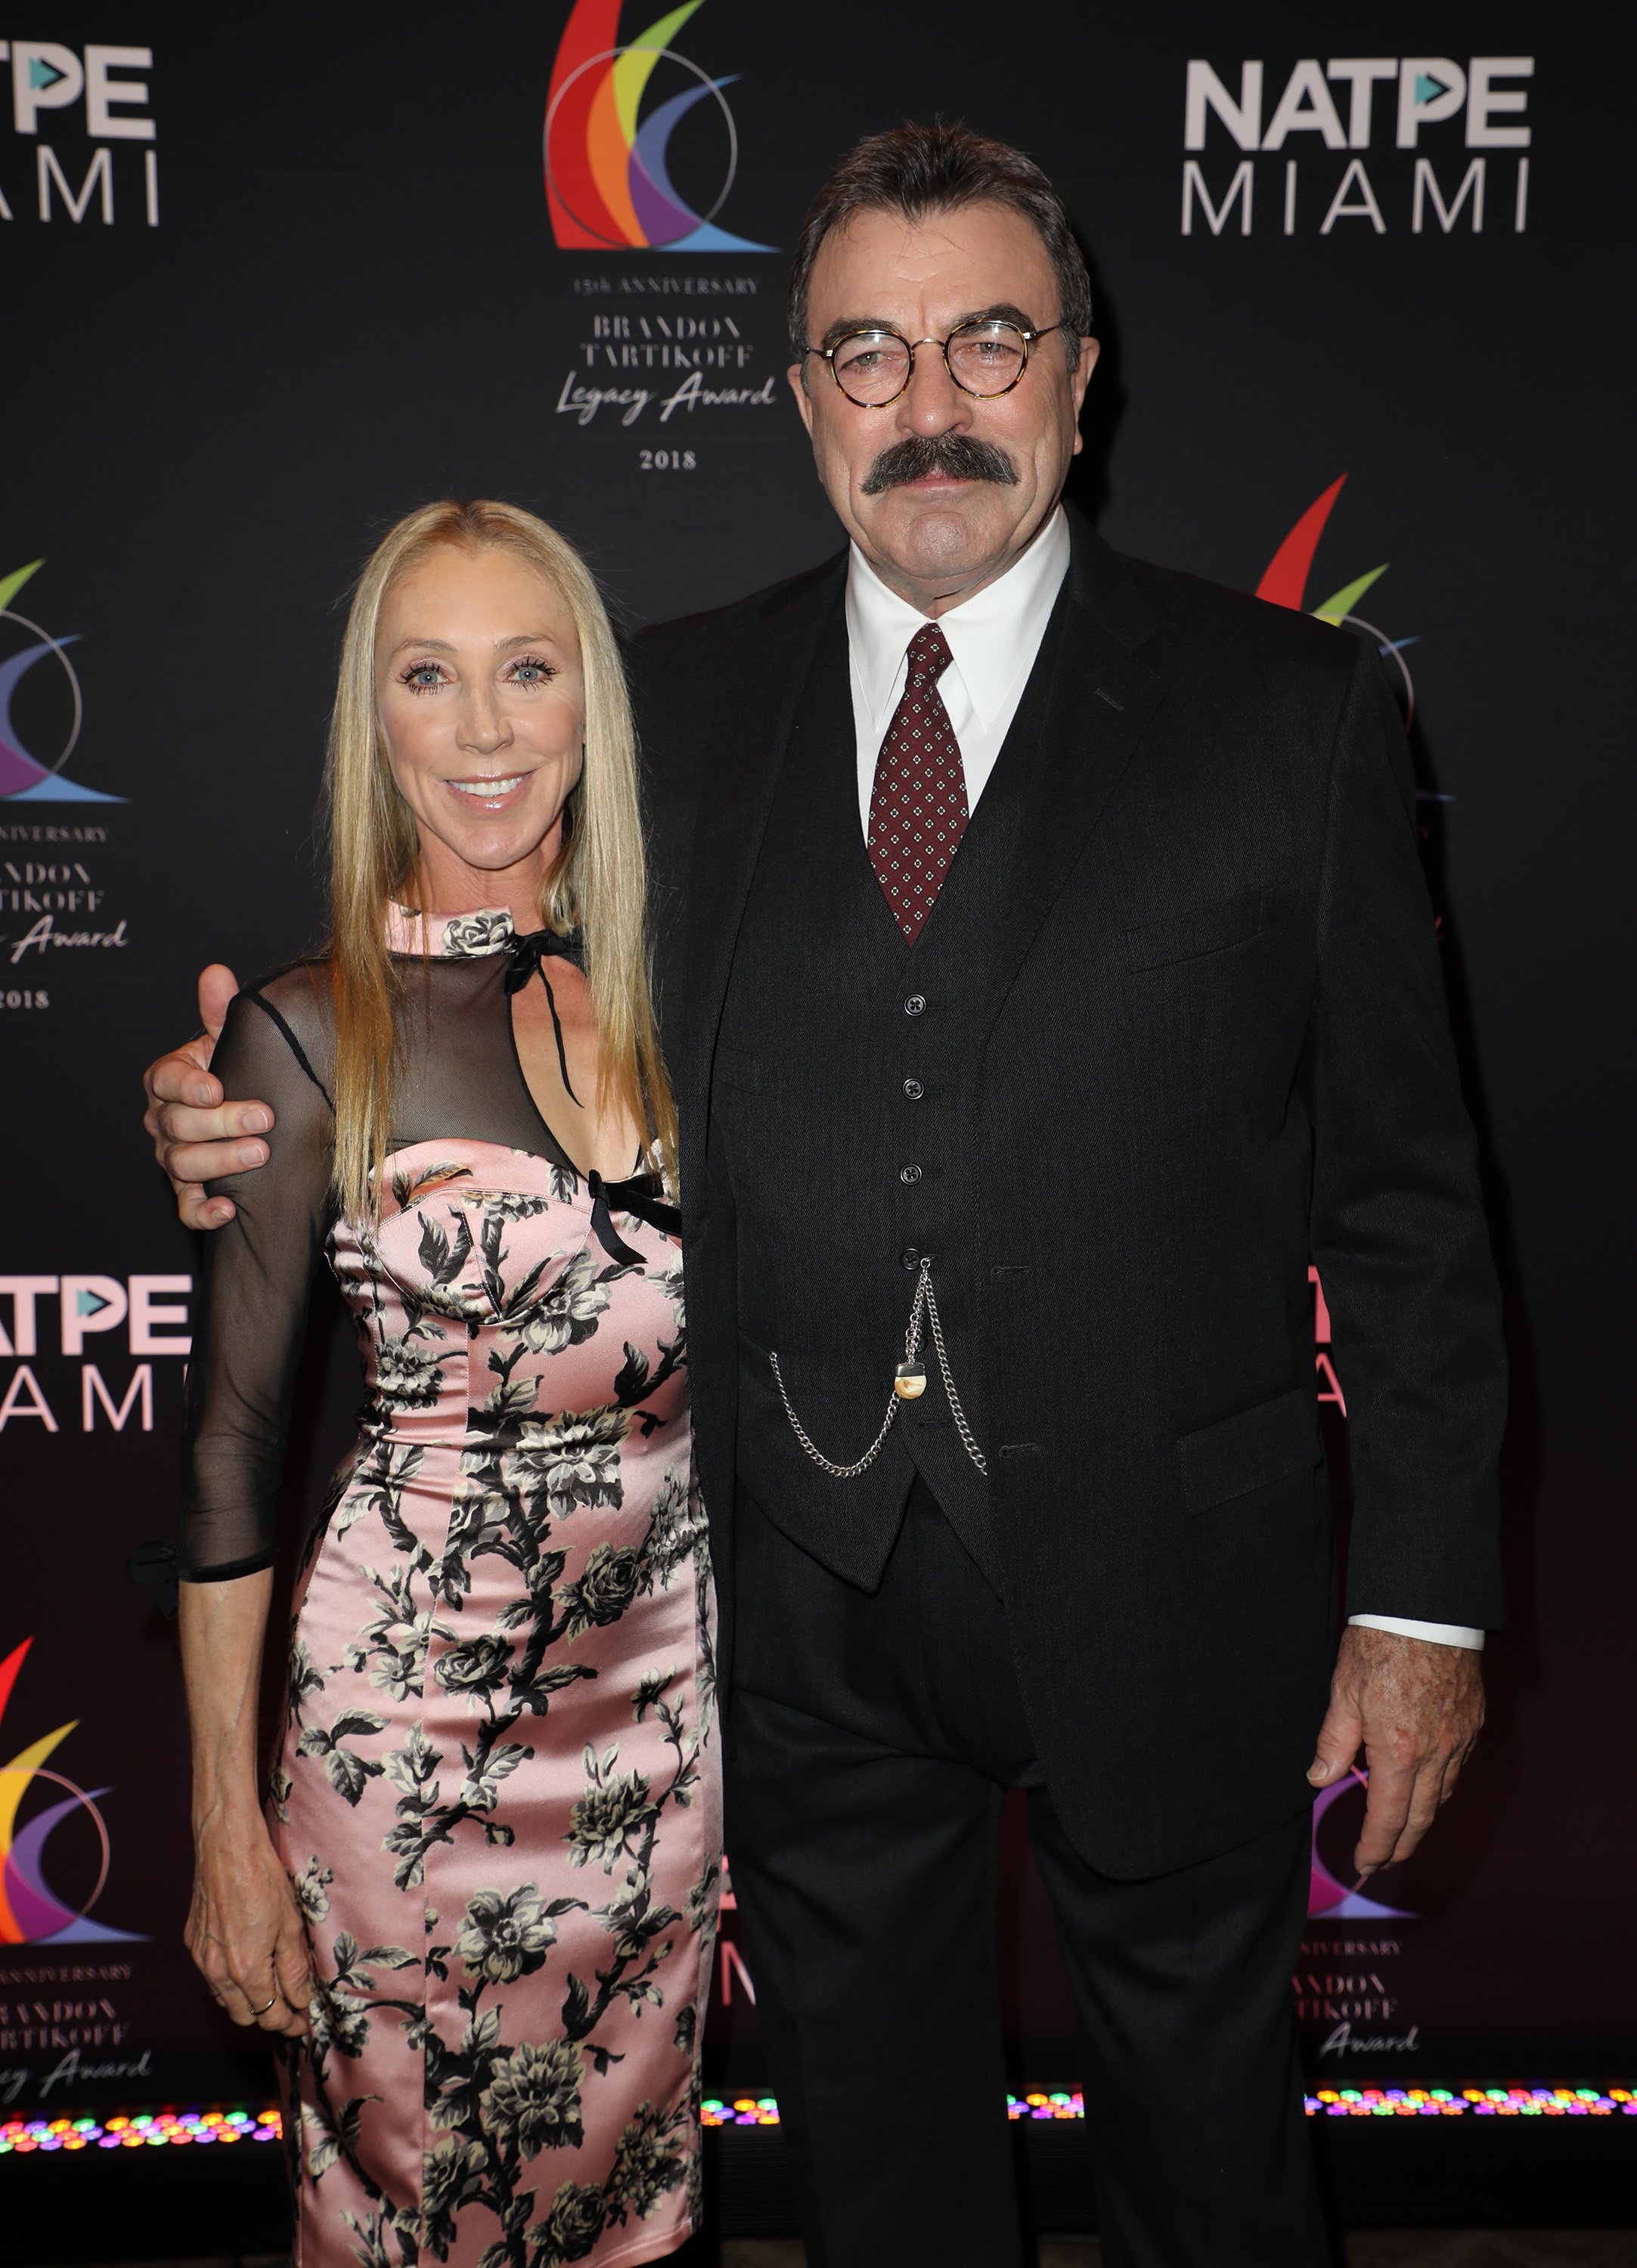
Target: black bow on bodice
point(528, 955)
point(639, 1195)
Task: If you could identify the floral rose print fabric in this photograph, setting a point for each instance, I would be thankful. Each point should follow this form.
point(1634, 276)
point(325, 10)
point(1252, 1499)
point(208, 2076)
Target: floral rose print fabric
point(495, 1794)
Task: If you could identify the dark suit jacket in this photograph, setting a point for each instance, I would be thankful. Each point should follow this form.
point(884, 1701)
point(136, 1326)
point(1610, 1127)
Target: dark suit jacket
point(1216, 1047)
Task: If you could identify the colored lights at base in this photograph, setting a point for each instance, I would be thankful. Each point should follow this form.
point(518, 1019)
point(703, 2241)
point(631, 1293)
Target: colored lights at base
point(1475, 2102)
point(159, 2129)
point(145, 2129)
point(1326, 2103)
point(742, 2111)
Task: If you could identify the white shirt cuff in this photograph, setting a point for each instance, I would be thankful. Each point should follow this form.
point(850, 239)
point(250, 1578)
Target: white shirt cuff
point(1437, 1633)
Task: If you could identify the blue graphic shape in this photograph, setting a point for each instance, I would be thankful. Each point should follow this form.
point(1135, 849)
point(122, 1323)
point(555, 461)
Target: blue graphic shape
point(42, 74)
point(88, 1303)
point(13, 670)
point(1426, 88)
point(1355, 1907)
point(26, 1857)
point(54, 789)
point(86, 1931)
point(648, 152)
point(51, 787)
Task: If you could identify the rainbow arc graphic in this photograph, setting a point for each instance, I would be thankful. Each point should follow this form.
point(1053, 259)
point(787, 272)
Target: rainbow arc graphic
point(23, 778)
point(31, 1912)
point(1332, 1900)
point(1284, 582)
point(609, 186)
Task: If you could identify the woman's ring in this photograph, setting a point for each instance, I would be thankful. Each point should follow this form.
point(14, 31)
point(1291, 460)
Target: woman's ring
point(261, 2011)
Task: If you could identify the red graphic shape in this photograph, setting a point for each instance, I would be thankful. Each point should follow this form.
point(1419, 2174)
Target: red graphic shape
point(8, 1668)
point(1285, 579)
point(593, 31)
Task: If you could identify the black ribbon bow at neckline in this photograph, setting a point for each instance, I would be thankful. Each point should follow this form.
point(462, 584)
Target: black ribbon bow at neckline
point(530, 953)
point(639, 1195)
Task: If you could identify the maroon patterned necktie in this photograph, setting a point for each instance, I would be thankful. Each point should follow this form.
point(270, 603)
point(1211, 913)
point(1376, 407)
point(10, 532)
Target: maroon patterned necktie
point(917, 806)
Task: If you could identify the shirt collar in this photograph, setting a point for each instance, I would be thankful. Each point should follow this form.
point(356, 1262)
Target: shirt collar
point(990, 635)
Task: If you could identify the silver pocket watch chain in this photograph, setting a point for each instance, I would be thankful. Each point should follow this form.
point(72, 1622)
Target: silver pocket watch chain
point(908, 1385)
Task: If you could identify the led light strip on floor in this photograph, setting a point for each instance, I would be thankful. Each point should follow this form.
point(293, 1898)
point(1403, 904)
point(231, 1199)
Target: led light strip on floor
point(158, 2129)
point(1476, 2102)
point(145, 2129)
point(1327, 2103)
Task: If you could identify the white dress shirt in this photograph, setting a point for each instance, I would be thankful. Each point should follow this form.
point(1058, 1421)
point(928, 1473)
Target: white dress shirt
point(994, 638)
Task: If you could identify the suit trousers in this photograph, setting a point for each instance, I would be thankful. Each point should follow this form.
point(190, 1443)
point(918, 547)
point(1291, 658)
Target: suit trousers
point(870, 1743)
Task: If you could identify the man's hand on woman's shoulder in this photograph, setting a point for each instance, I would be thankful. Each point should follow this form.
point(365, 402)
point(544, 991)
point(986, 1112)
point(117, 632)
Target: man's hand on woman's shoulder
point(197, 1135)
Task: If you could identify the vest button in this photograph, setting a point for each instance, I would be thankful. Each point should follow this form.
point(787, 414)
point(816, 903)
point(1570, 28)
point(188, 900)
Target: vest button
point(909, 1173)
point(909, 1259)
point(913, 1088)
point(915, 1004)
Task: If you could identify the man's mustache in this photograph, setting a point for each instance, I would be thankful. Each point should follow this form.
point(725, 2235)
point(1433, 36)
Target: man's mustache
point(957, 455)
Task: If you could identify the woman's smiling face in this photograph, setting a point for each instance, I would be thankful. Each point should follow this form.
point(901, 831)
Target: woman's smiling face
point(482, 701)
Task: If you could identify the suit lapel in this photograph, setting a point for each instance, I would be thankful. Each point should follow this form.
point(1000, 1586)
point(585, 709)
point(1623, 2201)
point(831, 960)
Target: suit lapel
point(738, 779)
point(1099, 698)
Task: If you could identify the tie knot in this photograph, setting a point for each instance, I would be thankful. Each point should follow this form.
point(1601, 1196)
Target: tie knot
point(929, 656)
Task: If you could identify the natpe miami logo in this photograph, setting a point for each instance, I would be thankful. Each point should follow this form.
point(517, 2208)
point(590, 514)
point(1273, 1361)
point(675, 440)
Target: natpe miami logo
point(51, 705)
point(614, 181)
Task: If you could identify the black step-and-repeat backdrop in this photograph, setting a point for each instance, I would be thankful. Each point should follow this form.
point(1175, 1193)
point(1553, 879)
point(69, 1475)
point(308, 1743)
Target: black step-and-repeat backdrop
point(271, 279)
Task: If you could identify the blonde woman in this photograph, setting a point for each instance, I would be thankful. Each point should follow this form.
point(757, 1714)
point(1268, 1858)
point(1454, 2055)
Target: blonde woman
point(479, 1902)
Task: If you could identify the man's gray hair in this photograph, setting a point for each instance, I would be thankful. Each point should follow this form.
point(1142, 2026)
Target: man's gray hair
point(918, 171)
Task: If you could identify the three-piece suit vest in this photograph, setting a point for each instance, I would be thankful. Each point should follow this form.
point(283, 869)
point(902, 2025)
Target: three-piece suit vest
point(845, 1102)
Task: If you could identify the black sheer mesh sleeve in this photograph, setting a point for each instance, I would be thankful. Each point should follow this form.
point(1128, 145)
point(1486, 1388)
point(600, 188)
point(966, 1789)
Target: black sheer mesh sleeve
point(256, 1280)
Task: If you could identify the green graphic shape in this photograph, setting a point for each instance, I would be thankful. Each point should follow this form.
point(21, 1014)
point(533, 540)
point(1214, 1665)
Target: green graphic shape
point(1349, 596)
point(10, 585)
point(634, 68)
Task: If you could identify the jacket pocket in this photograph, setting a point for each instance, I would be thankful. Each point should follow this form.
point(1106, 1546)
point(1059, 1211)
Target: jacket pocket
point(1206, 929)
point(1252, 1450)
point(737, 1067)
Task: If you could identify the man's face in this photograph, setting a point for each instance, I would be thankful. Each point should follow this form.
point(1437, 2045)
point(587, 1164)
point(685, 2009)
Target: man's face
point(941, 490)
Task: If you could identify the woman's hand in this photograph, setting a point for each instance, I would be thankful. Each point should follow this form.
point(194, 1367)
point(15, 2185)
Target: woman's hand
point(245, 1930)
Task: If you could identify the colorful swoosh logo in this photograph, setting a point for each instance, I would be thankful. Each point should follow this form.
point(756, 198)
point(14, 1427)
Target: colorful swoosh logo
point(1332, 1899)
point(31, 1912)
point(1284, 583)
point(23, 778)
point(609, 186)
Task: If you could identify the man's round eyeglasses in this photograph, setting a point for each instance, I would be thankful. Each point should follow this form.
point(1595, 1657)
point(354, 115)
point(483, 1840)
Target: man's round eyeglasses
point(985, 358)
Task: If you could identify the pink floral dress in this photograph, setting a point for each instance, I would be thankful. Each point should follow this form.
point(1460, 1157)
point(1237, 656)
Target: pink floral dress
point(497, 1794)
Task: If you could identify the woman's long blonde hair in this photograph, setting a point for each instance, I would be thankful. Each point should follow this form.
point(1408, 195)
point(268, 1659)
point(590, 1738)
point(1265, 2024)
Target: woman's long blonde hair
point(597, 883)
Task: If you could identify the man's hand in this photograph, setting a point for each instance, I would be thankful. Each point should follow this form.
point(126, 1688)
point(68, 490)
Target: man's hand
point(195, 1132)
point(1416, 1709)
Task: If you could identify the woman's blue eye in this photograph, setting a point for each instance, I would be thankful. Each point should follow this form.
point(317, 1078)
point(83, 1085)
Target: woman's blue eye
point(423, 677)
point(534, 673)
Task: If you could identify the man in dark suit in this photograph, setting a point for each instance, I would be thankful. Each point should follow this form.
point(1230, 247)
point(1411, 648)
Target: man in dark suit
point(1048, 979)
